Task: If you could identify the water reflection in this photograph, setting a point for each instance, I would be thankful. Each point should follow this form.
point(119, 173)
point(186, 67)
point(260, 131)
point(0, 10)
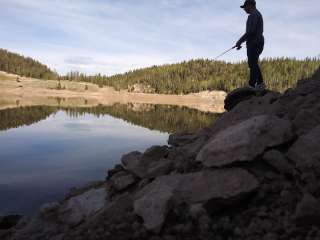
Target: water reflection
point(72, 146)
point(163, 118)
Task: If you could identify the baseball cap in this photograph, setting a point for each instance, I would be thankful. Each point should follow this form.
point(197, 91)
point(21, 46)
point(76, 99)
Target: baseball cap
point(248, 2)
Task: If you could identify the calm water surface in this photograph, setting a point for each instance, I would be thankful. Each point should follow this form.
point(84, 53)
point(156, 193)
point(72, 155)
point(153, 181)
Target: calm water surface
point(59, 149)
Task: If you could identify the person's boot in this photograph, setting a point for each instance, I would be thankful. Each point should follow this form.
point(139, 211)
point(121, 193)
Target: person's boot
point(260, 86)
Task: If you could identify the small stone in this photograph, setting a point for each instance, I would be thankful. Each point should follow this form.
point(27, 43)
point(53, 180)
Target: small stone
point(196, 210)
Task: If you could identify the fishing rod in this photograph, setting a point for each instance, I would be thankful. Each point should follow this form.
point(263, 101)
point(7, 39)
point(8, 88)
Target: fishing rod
point(227, 51)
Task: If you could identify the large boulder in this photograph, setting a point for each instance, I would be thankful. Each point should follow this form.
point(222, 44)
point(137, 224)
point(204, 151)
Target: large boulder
point(180, 139)
point(78, 208)
point(305, 152)
point(245, 141)
point(278, 161)
point(150, 164)
point(122, 180)
point(154, 206)
point(307, 118)
point(241, 94)
point(212, 188)
point(255, 106)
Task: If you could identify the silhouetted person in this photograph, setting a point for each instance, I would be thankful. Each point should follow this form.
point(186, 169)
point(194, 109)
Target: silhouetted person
point(255, 42)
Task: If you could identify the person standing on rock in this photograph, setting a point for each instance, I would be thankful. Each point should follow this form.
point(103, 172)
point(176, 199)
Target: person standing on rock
point(255, 42)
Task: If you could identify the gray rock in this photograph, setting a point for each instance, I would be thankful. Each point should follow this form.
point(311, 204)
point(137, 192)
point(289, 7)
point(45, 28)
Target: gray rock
point(305, 152)
point(306, 119)
point(154, 206)
point(131, 160)
point(241, 94)
point(197, 210)
point(156, 152)
point(308, 211)
point(116, 209)
point(256, 106)
point(180, 139)
point(77, 208)
point(211, 188)
point(148, 165)
point(245, 141)
point(277, 160)
point(159, 168)
point(121, 182)
point(49, 210)
point(191, 150)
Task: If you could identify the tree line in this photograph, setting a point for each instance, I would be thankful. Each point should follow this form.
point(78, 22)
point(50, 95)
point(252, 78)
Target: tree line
point(204, 74)
point(24, 66)
point(181, 78)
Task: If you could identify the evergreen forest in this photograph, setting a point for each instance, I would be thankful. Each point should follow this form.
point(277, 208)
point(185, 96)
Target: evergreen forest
point(24, 66)
point(180, 78)
point(200, 75)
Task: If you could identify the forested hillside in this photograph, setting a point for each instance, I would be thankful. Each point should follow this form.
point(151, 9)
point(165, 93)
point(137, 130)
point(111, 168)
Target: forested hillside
point(199, 75)
point(181, 78)
point(24, 66)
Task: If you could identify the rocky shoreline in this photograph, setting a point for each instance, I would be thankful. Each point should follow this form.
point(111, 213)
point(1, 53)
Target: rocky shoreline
point(253, 174)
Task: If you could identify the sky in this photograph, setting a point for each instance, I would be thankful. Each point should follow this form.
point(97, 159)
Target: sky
point(115, 36)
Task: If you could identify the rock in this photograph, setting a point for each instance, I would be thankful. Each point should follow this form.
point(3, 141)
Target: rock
point(153, 207)
point(278, 161)
point(308, 211)
point(197, 210)
point(212, 188)
point(118, 168)
point(156, 152)
point(122, 181)
point(77, 208)
point(241, 94)
point(9, 221)
point(117, 209)
point(245, 141)
point(159, 168)
point(180, 139)
point(141, 88)
point(49, 210)
point(191, 150)
point(306, 120)
point(305, 152)
point(131, 160)
point(150, 164)
point(255, 106)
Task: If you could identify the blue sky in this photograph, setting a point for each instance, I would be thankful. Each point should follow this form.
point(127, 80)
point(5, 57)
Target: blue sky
point(114, 36)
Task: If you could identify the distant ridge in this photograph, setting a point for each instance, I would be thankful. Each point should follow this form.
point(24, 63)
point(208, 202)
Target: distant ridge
point(204, 74)
point(186, 77)
point(24, 66)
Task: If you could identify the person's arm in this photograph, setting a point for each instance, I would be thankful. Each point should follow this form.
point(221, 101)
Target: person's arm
point(250, 30)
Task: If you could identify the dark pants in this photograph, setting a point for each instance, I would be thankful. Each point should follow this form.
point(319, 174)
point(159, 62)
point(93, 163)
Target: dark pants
point(253, 52)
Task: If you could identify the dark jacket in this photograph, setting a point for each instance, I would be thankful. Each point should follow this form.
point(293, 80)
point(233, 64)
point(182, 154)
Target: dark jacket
point(254, 30)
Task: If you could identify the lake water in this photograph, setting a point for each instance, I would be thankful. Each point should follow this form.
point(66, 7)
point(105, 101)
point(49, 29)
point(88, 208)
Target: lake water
point(44, 151)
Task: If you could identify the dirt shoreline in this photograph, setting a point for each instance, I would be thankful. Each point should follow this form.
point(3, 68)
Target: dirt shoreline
point(19, 91)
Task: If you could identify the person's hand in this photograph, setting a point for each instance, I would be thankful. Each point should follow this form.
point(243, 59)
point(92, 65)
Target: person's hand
point(238, 46)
